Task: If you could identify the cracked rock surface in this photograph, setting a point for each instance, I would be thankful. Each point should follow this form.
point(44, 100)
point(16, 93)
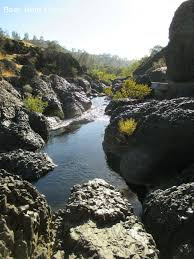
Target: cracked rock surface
point(98, 222)
point(28, 165)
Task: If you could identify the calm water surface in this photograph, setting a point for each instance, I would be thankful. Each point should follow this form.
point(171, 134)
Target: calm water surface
point(79, 157)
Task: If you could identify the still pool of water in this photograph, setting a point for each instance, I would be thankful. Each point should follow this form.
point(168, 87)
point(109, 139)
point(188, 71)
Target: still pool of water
point(79, 157)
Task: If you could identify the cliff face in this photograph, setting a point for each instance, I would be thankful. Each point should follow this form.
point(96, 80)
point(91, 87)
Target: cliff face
point(180, 50)
point(183, 20)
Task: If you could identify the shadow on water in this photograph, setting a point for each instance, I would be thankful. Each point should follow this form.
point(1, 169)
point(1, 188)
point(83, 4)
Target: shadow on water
point(79, 157)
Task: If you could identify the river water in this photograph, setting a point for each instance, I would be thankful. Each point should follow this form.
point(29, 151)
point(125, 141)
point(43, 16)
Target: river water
point(79, 157)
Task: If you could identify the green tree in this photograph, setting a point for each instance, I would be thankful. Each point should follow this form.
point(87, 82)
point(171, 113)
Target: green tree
point(15, 35)
point(26, 36)
point(155, 50)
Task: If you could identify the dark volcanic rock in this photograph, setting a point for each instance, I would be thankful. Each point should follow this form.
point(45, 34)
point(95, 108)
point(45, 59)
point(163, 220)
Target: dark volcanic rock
point(27, 73)
point(158, 75)
point(16, 133)
point(15, 130)
point(180, 50)
point(115, 104)
point(169, 217)
point(143, 79)
point(98, 223)
point(30, 166)
point(24, 220)
point(65, 100)
point(155, 149)
point(74, 100)
point(42, 87)
point(148, 65)
point(85, 84)
point(39, 124)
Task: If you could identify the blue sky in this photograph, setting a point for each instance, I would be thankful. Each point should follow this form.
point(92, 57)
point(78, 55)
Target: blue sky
point(128, 28)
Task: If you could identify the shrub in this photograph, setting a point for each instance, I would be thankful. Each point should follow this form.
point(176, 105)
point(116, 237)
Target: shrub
point(102, 75)
point(35, 104)
point(127, 126)
point(108, 91)
point(130, 89)
point(28, 72)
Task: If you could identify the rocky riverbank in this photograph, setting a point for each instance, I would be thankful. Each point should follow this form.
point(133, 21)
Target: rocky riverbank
point(158, 151)
point(98, 221)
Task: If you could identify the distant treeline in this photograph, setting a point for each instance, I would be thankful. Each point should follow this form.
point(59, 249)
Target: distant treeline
point(103, 65)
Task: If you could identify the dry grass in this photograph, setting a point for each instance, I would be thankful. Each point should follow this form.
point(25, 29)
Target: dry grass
point(7, 73)
point(2, 55)
point(28, 44)
point(19, 67)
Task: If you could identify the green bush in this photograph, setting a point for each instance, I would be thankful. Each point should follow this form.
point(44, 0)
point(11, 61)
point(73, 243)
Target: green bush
point(127, 126)
point(102, 75)
point(130, 89)
point(35, 104)
point(108, 91)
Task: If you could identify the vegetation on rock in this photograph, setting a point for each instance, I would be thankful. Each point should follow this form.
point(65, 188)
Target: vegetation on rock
point(108, 91)
point(35, 104)
point(127, 126)
point(102, 75)
point(130, 89)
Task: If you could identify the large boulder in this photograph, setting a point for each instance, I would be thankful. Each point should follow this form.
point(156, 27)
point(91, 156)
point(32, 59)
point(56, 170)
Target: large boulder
point(16, 133)
point(65, 100)
point(72, 97)
point(15, 130)
point(155, 149)
point(180, 50)
point(24, 220)
point(41, 86)
point(98, 222)
point(39, 124)
point(149, 64)
point(28, 165)
point(169, 217)
point(80, 81)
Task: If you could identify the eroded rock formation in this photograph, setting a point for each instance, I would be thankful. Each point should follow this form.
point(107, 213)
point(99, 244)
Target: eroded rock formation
point(98, 222)
point(25, 220)
point(28, 165)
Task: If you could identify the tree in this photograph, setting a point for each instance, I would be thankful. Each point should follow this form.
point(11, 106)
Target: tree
point(1, 33)
point(26, 36)
point(15, 35)
point(42, 38)
point(155, 50)
point(34, 38)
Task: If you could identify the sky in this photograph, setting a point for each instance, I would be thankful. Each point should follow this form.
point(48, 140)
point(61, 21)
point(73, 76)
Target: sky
point(127, 28)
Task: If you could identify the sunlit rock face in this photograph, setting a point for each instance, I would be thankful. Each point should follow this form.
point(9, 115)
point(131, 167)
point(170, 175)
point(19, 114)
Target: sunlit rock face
point(180, 51)
point(98, 222)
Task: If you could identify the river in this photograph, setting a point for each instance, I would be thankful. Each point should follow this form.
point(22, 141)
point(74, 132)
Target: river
point(79, 157)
